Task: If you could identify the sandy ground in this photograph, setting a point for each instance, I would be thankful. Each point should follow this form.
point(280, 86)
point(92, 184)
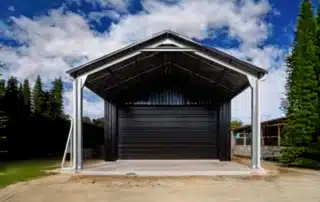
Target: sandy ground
point(284, 187)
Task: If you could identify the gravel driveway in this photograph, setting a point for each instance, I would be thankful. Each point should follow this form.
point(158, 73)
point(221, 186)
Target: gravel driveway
point(287, 187)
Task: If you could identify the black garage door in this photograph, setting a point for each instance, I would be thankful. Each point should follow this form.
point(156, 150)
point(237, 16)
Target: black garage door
point(167, 132)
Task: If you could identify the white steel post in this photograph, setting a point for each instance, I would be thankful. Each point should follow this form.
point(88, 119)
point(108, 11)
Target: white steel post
point(78, 84)
point(255, 124)
point(75, 124)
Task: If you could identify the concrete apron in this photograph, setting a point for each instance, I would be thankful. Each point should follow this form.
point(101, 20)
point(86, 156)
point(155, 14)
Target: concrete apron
point(166, 168)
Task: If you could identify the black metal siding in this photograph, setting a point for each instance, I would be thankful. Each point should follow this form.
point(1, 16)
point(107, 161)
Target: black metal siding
point(116, 114)
point(168, 132)
point(168, 97)
point(110, 131)
point(224, 130)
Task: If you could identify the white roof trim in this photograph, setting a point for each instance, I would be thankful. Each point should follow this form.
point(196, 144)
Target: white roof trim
point(164, 42)
point(167, 50)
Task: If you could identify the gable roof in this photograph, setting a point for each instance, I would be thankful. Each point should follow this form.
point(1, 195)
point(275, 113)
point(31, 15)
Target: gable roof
point(243, 65)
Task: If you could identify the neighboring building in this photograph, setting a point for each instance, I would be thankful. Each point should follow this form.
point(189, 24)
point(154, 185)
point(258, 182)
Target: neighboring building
point(166, 97)
point(271, 132)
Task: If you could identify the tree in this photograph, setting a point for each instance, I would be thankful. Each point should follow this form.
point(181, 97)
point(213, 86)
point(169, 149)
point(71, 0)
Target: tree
point(302, 90)
point(20, 101)
point(2, 92)
point(2, 87)
point(3, 118)
point(39, 98)
point(26, 97)
point(11, 97)
point(98, 122)
point(86, 119)
point(56, 99)
point(236, 124)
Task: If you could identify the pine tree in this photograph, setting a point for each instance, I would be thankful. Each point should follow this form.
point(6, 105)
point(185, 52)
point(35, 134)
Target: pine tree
point(11, 98)
point(56, 98)
point(47, 105)
point(2, 87)
point(20, 101)
point(302, 90)
point(39, 98)
point(2, 92)
point(317, 66)
point(3, 118)
point(26, 98)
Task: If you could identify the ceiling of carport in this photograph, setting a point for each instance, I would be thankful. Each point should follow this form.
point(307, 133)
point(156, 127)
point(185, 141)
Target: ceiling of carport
point(140, 70)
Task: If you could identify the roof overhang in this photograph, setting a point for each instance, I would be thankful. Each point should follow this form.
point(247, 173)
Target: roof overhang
point(164, 55)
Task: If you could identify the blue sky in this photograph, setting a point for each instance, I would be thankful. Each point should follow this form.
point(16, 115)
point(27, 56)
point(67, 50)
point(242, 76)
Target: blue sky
point(49, 37)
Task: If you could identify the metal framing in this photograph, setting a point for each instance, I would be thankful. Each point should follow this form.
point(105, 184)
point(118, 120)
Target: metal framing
point(79, 81)
point(255, 123)
point(78, 85)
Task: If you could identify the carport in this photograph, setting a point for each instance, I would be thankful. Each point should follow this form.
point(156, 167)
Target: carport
point(166, 97)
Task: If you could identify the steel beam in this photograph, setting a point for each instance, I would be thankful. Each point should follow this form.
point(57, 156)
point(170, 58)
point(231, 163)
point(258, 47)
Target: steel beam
point(136, 76)
point(124, 66)
point(202, 77)
point(75, 128)
point(255, 123)
point(78, 85)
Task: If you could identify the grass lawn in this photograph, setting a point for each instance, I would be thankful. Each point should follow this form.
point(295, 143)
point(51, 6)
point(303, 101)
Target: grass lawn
point(11, 172)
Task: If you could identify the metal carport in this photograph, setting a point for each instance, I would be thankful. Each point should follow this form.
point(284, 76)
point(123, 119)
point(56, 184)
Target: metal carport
point(119, 77)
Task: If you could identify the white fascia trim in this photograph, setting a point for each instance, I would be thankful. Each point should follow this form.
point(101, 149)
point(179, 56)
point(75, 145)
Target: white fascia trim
point(179, 45)
point(224, 64)
point(83, 79)
point(167, 50)
point(111, 63)
point(138, 52)
point(206, 56)
point(252, 81)
point(166, 42)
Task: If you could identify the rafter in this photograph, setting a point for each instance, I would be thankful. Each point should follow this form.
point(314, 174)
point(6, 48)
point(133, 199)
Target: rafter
point(202, 77)
point(124, 66)
point(136, 76)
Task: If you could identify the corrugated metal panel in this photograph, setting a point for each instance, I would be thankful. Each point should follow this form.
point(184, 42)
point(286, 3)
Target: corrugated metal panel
point(167, 132)
point(110, 131)
point(169, 98)
point(224, 130)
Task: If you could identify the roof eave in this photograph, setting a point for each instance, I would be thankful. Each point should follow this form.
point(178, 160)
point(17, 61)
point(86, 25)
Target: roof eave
point(259, 71)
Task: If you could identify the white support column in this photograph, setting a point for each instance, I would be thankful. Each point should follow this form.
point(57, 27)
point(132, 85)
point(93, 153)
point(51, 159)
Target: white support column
point(75, 123)
point(78, 84)
point(255, 123)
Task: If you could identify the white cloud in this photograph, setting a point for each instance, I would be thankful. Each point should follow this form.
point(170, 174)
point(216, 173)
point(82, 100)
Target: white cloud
point(98, 15)
point(11, 8)
point(272, 90)
point(54, 43)
point(119, 5)
point(93, 109)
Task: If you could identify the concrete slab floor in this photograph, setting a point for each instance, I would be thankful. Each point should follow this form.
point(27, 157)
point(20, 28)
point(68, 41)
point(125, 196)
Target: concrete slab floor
point(167, 168)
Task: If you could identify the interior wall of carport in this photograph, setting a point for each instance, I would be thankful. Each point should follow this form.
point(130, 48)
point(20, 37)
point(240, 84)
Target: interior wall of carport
point(111, 131)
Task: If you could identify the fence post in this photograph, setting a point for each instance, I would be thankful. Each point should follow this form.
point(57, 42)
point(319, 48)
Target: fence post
point(245, 139)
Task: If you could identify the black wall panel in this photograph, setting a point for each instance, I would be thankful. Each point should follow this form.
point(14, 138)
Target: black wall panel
point(168, 126)
point(110, 131)
point(224, 130)
point(167, 132)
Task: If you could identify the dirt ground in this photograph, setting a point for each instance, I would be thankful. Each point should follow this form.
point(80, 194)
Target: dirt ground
point(288, 186)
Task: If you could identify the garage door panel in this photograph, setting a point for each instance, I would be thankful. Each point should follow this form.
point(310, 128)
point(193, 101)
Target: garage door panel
point(165, 111)
point(166, 133)
point(153, 134)
point(172, 125)
point(163, 132)
point(156, 118)
point(172, 154)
